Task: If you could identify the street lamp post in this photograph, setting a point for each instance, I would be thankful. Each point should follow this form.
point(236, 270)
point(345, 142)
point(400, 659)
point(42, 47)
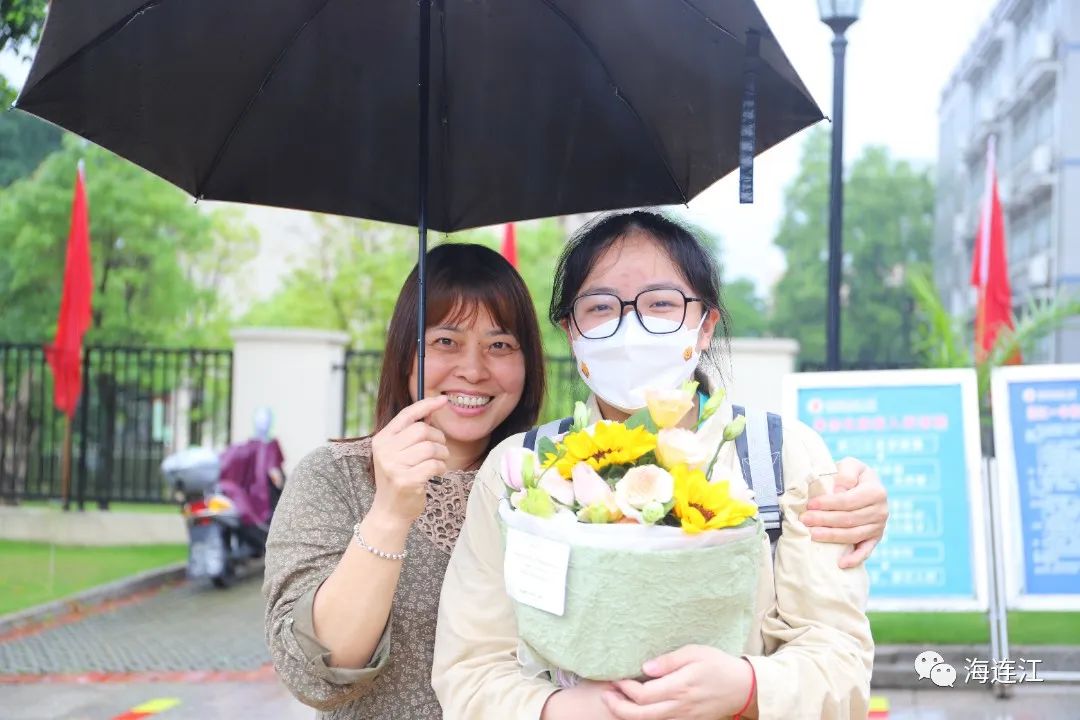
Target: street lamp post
point(838, 15)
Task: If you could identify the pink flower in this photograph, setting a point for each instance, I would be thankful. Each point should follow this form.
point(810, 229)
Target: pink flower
point(589, 487)
point(513, 467)
point(561, 490)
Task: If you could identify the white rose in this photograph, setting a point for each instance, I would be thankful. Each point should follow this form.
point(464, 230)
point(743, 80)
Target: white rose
point(677, 446)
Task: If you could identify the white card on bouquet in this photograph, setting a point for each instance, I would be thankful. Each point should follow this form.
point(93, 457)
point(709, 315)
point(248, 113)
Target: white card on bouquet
point(535, 570)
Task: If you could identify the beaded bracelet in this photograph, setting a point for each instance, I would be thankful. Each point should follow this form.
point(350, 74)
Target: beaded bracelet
point(376, 551)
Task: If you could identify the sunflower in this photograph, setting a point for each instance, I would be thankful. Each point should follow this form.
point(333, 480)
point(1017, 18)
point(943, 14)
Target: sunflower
point(702, 505)
point(609, 443)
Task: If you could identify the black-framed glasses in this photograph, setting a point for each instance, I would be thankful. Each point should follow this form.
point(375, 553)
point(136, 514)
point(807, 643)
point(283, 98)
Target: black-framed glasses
point(660, 311)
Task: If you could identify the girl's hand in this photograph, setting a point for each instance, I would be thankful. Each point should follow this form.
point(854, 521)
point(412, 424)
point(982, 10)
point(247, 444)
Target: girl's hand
point(692, 683)
point(855, 512)
point(406, 454)
point(585, 700)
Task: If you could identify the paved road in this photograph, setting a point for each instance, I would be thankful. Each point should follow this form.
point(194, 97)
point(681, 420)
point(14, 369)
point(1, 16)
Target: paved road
point(204, 648)
point(268, 700)
point(262, 700)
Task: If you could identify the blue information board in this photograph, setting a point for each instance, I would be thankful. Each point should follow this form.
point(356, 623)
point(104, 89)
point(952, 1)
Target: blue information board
point(1037, 428)
point(918, 429)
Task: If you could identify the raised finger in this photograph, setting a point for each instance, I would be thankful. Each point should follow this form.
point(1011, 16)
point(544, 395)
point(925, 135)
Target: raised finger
point(416, 412)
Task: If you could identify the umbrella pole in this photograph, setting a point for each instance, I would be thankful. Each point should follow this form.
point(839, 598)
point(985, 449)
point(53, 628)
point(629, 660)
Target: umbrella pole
point(422, 185)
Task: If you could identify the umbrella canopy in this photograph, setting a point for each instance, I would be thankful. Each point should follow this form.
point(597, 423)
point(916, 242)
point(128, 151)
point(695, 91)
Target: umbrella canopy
point(537, 108)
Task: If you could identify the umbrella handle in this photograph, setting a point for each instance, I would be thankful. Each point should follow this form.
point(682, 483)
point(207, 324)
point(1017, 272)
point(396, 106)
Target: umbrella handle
point(422, 190)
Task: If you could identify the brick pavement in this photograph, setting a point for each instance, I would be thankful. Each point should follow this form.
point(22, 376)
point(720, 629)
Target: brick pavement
point(189, 628)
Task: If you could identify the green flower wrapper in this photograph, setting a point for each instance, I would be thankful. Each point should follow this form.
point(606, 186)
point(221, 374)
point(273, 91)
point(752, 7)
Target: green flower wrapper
point(635, 592)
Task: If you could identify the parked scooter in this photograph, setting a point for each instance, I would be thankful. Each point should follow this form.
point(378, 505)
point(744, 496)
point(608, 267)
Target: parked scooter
point(223, 535)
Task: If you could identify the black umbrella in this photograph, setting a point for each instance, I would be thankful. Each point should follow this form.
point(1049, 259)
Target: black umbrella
point(520, 109)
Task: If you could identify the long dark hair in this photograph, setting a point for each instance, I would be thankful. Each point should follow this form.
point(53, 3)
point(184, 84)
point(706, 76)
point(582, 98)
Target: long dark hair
point(463, 279)
point(689, 253)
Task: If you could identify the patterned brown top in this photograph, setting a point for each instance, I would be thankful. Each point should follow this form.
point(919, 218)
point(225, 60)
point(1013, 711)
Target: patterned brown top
point(330, 491)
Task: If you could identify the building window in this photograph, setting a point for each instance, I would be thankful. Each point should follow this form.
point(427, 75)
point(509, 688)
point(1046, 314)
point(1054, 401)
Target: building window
point(1040, 234)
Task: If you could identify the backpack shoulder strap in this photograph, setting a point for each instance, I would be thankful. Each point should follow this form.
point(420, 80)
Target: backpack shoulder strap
point(760, 450)
point(551, 429)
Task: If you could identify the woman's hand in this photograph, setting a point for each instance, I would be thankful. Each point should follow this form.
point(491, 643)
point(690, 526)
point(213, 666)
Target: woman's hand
point(692, 683)
point(406, 454)
point(855, 512)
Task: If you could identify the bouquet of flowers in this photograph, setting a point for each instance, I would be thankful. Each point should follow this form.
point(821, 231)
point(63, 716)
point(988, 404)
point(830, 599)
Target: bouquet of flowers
point(657, 552)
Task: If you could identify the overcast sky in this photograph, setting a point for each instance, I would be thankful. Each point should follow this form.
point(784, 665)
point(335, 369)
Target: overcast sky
point(900, 55)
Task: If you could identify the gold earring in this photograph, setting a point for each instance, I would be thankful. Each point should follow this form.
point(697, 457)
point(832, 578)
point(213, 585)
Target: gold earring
point(688, 353)
point(584, 369)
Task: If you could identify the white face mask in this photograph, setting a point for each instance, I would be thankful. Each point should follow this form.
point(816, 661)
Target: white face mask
point(619, 369)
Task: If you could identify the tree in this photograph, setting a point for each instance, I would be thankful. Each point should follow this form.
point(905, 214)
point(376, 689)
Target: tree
point(888, 219)
point(749, 316)
point(20, 23)
point(349, 283)
point(24, 140)
point(353, 278)
point(159, 261)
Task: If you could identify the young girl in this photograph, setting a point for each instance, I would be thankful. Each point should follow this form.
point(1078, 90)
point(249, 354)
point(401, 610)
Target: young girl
point(639, 299)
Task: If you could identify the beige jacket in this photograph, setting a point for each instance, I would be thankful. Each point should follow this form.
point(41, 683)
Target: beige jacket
point(810, 646)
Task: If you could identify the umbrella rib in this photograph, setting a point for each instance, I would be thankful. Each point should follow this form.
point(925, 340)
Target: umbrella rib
point(267, 76)
point(99, 39)
point(653, 137)
point(708, 20)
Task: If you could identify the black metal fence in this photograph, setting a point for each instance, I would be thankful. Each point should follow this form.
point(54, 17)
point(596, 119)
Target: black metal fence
point(360, 387)
point(137, 406)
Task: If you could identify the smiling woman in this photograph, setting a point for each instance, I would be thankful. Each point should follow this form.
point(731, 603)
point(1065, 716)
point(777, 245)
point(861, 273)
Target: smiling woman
point(340, 601)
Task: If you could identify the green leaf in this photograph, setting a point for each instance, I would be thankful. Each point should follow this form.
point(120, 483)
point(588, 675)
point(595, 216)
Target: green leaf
point(545, 447)
point(641, 419)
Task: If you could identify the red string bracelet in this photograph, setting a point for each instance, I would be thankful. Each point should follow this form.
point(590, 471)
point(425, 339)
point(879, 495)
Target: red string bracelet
point(750, 697)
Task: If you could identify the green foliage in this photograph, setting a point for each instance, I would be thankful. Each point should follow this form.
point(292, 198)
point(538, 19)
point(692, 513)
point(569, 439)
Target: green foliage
point(353, 278)
point(749, 316)
point(888, 216)
point(159, 261)
point(349, 283)
point(943, 341)
point(20, 23)
point(24, 142)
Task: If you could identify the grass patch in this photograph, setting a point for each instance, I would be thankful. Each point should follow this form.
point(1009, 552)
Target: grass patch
point(955, 628)
point(36, 573)
point(91, 506)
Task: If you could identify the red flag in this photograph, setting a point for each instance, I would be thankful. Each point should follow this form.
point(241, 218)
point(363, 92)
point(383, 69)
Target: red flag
point(509, 244)
point(989, 269)
point(64, 353)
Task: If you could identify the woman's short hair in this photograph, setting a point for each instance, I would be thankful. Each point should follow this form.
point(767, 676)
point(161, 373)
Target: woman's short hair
point(461, 280)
